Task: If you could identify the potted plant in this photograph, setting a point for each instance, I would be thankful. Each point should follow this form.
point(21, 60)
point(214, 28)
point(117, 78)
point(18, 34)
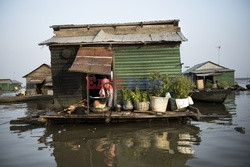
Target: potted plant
point(159, 85)
point(127, 99)
point(180, 89)
point(141, 100)
point(224, 85)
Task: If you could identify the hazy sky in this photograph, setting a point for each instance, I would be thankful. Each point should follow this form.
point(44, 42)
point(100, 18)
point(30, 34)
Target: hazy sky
point(206, 24)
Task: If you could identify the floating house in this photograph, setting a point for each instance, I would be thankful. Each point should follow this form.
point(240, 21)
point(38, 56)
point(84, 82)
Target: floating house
point(120, 51)
point(213, 72)
point(10, 85)
point(39, 81)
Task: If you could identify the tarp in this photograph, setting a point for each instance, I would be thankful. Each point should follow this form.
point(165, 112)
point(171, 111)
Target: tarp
point(93, 61)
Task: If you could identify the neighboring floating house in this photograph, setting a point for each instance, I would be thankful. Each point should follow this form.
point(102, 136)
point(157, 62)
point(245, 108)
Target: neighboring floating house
point(120, 51)
point(200, 73)
point(39, 81)
point(10, 85)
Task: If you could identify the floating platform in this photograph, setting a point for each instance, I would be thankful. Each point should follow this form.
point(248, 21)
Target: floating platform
point(15, 99)
point(124, 116)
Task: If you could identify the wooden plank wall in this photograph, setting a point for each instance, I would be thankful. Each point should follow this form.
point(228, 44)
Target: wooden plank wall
point(68, 87)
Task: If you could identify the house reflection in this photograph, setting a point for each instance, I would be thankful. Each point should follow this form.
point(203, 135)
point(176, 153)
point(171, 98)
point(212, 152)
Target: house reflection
point(117, 145)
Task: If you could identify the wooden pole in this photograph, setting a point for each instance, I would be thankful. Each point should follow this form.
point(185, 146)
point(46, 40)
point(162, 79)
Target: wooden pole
point(87, 93)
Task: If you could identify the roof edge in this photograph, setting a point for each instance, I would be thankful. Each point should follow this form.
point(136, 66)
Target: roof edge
point(44, 64)
point(160, 22)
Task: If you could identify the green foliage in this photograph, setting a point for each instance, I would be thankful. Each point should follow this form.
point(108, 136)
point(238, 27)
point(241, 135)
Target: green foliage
point(126, 95)
point(181, 87)
point(209, 84)
point(224, 84)
point(139, 95)
point(160, 84)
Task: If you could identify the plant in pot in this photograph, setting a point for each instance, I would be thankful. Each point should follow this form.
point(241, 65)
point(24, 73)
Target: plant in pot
point(141, 100)
point(181, 89)
point(127, 99)
point(159, 86)
point(224, 85)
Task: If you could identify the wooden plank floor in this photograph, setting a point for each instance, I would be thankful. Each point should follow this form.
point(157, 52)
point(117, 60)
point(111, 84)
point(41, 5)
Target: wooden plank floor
point(123, 116)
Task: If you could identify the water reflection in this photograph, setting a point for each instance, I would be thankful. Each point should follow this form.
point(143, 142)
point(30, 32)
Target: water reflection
point(218, 113)
point(122, 144)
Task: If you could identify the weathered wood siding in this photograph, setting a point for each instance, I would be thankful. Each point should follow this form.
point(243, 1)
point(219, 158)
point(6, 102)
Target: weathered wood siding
point(43, 72)
point(119, 30)
point(69, 87)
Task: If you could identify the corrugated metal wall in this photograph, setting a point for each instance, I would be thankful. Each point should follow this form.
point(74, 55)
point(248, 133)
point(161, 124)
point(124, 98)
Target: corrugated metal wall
point(140, 61)
point(226, 76)
point(67, 86)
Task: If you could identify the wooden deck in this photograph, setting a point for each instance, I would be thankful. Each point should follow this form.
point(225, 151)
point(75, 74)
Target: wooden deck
point(16, 99)
point(118, 117)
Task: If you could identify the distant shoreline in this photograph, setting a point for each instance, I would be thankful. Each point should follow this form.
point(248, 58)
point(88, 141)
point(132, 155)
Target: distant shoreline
point(242, 78)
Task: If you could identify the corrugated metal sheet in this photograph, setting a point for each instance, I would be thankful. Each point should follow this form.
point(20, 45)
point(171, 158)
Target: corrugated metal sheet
point(207, 67)
point(93, 61)
point(102, 37)
point(226, 76)
point(139, 62)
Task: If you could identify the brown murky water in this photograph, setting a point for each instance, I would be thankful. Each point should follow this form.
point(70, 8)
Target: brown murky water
point(217, 140)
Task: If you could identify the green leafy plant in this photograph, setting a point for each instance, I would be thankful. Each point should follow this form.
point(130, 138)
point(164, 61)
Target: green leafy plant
point(224, 84)
point(209, 84)
point(139, 95)
point(136, 95)
point(144, 96)
point(126, 95)
point(159, 84)
point(181, 87)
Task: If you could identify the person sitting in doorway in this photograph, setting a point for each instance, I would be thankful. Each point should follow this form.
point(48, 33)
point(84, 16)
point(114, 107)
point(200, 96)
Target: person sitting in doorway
point(107, 91)
point(217, 84)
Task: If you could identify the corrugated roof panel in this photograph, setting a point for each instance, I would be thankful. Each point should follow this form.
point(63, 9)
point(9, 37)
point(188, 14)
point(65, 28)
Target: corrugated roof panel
point(105, 37)
point(101, 37)
point(137, 38)
point(166, 37)
point(93, 61)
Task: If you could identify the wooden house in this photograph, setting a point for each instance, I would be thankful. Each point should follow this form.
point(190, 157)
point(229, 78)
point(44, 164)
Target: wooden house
point(6, 85)
point(39, 80)
point(213, 72)
point(122, 51)
point(9, 85)
point(16, 85)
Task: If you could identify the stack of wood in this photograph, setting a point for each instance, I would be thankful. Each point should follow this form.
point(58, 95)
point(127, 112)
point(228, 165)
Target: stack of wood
point(73, 107)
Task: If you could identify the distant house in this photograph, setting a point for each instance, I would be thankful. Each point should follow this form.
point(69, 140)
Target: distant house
point(39, 81)
point(120, 51)
point(9, 85)
point(210, 71)
point(16, 84)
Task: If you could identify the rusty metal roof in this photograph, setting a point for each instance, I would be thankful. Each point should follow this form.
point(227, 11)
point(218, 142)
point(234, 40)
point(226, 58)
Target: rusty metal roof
point(105, 38)
point(93, 61)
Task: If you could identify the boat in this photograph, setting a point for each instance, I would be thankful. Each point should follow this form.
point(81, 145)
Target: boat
point(14, 99)
point(248, 86)
point(211, 96)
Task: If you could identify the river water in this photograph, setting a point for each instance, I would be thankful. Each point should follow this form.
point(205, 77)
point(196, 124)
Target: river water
point(220, 138)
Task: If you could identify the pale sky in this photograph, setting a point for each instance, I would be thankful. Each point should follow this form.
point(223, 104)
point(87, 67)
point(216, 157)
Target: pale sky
point(206, 24)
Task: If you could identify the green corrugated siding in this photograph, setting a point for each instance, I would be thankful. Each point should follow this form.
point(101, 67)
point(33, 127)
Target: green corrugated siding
point(226, 76)
point(6, 87)
point(139, 62)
